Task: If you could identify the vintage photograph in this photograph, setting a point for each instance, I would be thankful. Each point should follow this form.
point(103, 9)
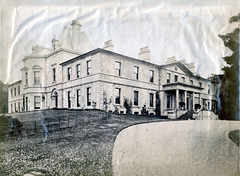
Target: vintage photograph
point(119, 87)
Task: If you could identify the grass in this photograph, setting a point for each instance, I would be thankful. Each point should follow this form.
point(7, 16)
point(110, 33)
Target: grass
point(234, 136)
point(83, 149)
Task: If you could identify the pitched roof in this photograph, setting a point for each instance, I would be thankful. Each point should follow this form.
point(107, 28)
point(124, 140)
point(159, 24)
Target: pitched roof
point(38, 51)
point(75, 39)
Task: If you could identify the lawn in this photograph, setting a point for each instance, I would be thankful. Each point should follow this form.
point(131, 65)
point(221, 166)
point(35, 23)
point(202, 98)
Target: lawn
point(82, 149)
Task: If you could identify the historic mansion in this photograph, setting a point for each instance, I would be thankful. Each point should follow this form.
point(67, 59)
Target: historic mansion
point(72, 74)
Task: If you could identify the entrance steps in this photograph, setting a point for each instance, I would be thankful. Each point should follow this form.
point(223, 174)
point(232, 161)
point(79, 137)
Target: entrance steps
point(186, 116)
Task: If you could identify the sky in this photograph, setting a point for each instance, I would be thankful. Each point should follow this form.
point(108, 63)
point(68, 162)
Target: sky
point(185, 29)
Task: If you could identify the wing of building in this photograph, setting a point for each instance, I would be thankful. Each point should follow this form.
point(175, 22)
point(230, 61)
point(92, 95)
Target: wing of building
point(74, 75)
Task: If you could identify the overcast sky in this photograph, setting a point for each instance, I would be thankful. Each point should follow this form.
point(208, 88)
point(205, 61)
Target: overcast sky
point(186, 29)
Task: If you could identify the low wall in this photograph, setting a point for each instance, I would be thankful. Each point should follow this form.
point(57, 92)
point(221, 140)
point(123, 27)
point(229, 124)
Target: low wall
point(56, 119)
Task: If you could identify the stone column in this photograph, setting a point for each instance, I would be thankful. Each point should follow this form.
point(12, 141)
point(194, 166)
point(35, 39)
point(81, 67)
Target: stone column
point(185, 99)
point(200, 99)
point(177, 99)
point(193, 100)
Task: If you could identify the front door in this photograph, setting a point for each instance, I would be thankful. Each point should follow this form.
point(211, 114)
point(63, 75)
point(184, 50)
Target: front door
point(189, 102)
point(56, 101)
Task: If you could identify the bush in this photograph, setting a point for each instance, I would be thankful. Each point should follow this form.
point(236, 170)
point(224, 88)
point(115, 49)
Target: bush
point(144, 110)
point(181, 105)
point(197, 106)
point(128, 106)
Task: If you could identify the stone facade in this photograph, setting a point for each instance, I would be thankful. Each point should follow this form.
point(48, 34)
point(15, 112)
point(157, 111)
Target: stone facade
point(74, 75)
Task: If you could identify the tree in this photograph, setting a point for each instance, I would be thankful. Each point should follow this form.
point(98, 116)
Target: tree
point(229, 95)
point(3, 98)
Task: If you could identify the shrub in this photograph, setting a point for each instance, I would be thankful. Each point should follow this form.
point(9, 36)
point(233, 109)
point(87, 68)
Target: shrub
point(128, 106)
point(181, 105)
point(197, 106)
point(144, 110)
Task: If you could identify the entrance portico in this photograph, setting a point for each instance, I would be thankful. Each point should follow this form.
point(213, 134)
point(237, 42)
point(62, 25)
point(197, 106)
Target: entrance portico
point(180, 96)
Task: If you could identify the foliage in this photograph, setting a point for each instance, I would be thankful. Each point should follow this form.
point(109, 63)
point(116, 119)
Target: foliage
point(181, 105)
point(94, 104)
point(3, 98)
point(128, 106)
point(229, 95)
point(197, 106)
point(144, 110)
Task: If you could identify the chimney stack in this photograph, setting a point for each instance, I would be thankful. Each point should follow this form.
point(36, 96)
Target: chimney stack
point(55, 43)
point(76, 25)
point(191, 67)
point(144, 54)
point(108, 45)
point(171, 60)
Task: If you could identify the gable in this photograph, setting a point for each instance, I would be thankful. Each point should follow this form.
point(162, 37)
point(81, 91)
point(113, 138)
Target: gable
point(178, 68)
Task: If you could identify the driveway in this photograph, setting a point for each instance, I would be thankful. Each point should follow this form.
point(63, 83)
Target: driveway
point(177, 148)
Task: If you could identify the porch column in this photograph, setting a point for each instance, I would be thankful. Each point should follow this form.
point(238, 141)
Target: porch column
point(200, 99)
point(177, 99)
point(193, 100)
point(185, 99)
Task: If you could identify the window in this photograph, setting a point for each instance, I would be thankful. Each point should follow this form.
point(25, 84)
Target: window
point(89, 66)
point(26, 103)
point(18, 90)
point(183, 79)
point(151, 100)
point(191, 82)
point(209, 89)
point(36, 102)
point(118, 94)
point(176, 78)
point(36, 77)
point(118, 68)
point(151, 76)
point(209, 107)
point(168, 77)
point(168, 101)
point(69, 72)
point(78, 70)
point(26, 78)
point(69, 99)
point(78, 98)
point(136, 72)
point(15, 91)
point(200, 84)
point(18, 106)
point(11, 108)
point(136, 98)
point(89, 96)
point(11, 93)
point(54, 74)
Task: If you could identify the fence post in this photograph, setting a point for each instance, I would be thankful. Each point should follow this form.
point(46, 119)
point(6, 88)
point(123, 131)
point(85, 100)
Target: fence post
point(68, 121)
point(35, 126)
point(76, 120)
point(58, 123)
